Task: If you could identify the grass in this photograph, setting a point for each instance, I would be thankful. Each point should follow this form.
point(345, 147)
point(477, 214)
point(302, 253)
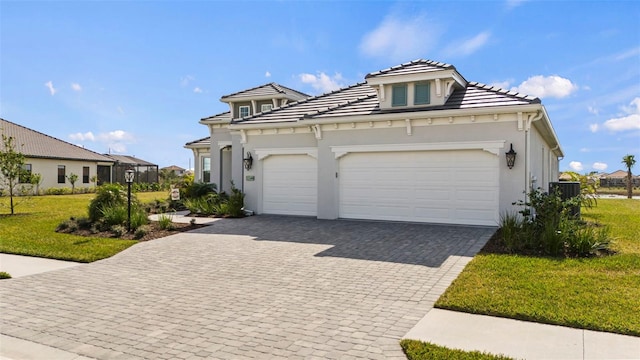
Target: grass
point(418, 350)
point(593, 293)
point(32, 230)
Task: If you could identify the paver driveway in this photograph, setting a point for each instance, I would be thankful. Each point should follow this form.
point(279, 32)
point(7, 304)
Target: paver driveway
point(259, 287)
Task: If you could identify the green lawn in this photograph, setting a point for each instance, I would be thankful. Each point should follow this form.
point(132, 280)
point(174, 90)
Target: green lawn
point(596, 293)
point(32, 230)
point(418, 350)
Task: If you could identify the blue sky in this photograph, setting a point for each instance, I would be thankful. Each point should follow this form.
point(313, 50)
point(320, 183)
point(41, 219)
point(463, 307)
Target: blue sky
point(136, 77)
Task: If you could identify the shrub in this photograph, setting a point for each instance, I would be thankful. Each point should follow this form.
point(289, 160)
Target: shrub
point(114, 215)
point(165, 222)
point(107, 195)
point(236, 203)
point(141, 231)
point(67, 226)
point(57, 191)
point(118, 230)
point(547, 226)
point(197, 189)
point(4, 275)
point(138, 217)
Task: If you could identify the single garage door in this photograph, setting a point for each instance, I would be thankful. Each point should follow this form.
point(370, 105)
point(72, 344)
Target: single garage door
point(456, 187)
point(290, 185)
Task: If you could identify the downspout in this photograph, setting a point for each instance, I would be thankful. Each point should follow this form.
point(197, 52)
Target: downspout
point(527, 146)
point(557, 169)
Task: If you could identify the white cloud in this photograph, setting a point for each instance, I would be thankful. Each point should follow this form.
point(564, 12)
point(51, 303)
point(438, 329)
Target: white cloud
point(599, 166)
point(117, 148)
point(629, 122)
point(584, 150)
point(88, 136)
point(116, 135)
point(399, 39)
point(576, 166)
point(546, 86)
point(197, 90)
point(594, 127)
point(323, 82)
point(76, 87)
point(593, 110)
point(49, 86)
point(185, 80)
point(469, 46)
point(119, 108)
point(267, 74)
point(514, 3)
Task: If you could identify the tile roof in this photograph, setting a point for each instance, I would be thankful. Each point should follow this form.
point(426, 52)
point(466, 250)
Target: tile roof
point(312, 106)
point(173, 168)
point(362, 99)
point(126, 159)
point(412, 67)
point(269, 89)
point(204, 142)
point(38, 145)
point(225, 116)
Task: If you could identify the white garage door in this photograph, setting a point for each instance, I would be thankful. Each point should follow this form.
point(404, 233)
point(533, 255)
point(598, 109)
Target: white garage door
point(456, 187)
point(290, 185)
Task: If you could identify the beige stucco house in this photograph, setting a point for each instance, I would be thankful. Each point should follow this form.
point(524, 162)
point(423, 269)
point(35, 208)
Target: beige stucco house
point(55, 159)
point(415, 142)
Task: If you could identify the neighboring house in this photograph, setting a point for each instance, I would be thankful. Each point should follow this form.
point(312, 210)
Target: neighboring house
point(176, 169)
point(415, 142)
point(56, 159)
point(146, 172)
point(618, 179)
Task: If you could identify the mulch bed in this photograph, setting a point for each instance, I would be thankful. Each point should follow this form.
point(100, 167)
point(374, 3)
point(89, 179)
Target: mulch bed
point(155, 233)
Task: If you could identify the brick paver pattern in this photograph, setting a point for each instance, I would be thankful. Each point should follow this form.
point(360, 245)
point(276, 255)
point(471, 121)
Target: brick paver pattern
point(261, 287)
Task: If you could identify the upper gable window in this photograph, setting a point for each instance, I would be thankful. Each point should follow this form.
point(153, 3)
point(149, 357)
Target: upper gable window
point(421, 94)
point(399, 95)
point(244, 111)
point(266, 107)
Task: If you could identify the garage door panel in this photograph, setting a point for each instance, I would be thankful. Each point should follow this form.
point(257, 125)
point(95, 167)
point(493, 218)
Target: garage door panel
point(290, 185)
point(426, 186)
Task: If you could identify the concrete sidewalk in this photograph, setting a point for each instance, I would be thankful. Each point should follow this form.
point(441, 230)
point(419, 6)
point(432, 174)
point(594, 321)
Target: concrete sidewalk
point(19, 265)
point(520, 339)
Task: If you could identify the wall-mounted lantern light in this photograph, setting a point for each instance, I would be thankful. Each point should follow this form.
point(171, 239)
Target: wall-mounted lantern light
point(511, 157)
point(248, 161)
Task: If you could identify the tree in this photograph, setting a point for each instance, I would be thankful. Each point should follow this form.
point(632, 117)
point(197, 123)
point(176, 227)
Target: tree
point(36, 180)
point(72, 180)
point(11, 168)
point(629, 161)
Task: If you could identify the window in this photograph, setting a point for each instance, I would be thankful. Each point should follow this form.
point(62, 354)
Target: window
point(399, 95)
point(266, 107)
point(421, 93)
point(25, 176)
point(61, 174)
point(244, 111)
point(206, 169)
point(85, 174)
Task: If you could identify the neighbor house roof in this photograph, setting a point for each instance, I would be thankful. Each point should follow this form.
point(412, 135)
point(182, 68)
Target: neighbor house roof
point(362, 99)
point(173, 168)
point(266, 90)
point(34, 144)
point(129, 160)
point(617, 174)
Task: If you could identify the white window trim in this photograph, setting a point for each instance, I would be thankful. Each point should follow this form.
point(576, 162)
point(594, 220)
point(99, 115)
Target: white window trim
point(244, 107)
point(261, 154)
point(268, 107)
point(489, 146)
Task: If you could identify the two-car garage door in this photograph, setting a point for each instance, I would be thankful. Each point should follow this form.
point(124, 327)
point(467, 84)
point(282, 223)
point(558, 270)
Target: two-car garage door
point(448, 186)
point(458, 187)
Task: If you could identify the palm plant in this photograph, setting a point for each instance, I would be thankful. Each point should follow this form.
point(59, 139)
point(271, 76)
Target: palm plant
point(629, 161)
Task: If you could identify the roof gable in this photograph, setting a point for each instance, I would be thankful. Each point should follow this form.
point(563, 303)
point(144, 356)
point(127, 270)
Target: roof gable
point(35, 144)
point(272, 90)
point(412, 67)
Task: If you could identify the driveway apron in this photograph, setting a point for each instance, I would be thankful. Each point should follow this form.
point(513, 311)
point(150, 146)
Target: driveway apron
point(259, 287)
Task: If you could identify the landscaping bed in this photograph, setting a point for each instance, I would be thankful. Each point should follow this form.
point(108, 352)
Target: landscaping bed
point(155, 231)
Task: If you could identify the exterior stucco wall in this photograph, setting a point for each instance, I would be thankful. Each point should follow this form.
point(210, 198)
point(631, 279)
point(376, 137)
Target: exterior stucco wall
point(511, 181)
point(48, 168)
point(544, 163)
